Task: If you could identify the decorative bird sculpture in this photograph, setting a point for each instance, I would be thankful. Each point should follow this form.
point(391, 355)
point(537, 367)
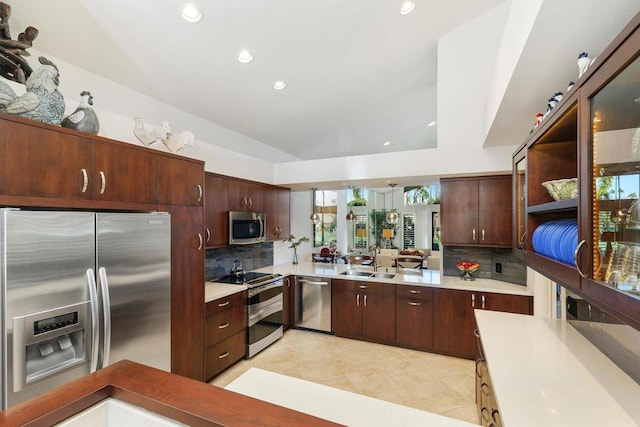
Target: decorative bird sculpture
point(176, 143)
point(84, 119)
point(42, 100)
point(147, 134)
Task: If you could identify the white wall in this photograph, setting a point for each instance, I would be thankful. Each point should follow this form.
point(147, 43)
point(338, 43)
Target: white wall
point(466, 63)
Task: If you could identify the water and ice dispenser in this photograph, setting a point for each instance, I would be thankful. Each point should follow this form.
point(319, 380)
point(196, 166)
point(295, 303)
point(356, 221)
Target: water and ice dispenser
point(49, 342)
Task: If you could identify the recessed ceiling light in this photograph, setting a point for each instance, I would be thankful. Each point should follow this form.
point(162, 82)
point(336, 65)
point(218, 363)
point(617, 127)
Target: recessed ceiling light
point(432, 124)
point(407, 7)
point(245, 56)
point(386, 143)
point(191, 13)
point(279, 85)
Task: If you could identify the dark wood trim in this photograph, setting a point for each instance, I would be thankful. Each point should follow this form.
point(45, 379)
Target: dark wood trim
point(181, 399)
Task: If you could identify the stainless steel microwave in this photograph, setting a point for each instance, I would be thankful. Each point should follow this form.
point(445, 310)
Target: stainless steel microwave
point(246, 227)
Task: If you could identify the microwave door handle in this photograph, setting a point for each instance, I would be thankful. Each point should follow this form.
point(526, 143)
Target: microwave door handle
point(93, 300)
point(261, 227)
point(106, 306)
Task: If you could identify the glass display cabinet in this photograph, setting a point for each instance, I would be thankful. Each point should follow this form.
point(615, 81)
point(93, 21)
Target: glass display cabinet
point(520, 203)
point(614, 122)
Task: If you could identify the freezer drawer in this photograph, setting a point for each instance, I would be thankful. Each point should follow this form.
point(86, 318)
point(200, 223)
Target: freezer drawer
point(313, 303)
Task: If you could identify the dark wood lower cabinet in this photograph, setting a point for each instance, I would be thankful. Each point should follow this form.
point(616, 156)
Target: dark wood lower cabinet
point(455, 322)
point(225, 333)
point(363, 310)
point(288, 303)
point(414, 317)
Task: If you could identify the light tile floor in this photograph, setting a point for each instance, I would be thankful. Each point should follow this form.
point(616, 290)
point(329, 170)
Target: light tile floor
point(431, 382)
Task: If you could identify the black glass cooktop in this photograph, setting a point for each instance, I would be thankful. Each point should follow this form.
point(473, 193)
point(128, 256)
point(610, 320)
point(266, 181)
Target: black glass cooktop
point(246, 278)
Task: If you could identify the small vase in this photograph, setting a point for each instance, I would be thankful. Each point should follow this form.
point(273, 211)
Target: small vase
point(295, 257)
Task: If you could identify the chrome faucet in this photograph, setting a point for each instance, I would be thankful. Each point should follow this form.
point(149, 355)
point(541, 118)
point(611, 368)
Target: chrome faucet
point(375, 250)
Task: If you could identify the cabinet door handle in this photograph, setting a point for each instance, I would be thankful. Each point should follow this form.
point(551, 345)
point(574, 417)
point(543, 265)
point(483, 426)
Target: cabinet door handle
point(200, 241)
point(365, 300)
point(200, 193)
point(522, 241)
point(482, 297)
point(224, 304)
point(85, 181)
point(483, 234)
point(223, 355)
point(358, 299)
point(250, 203)
point(103, 182)
point(473, 234)
point(362, 286)
point(243, 202)
point(413, 291)
point(224, 325)
point(207, 233)
point(414, 303)
point(575, 258)
point(473, 300)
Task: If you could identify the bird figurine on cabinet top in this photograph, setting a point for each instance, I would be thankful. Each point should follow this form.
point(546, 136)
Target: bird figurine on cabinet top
point(42, 100)
point(84, 119)
point(176, 143)
point(147, 134)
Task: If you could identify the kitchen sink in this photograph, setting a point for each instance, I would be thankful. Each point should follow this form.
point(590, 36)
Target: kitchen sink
point(368, 274)
point(383, 275)
point(356, 273)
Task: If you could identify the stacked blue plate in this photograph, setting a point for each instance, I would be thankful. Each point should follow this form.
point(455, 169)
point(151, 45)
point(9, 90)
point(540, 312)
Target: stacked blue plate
point(556, 239)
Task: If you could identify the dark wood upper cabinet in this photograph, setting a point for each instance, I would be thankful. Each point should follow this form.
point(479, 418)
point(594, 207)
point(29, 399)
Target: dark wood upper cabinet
point(276, 202)
point(124, 174)
point(591, 135)
point(476, 211)
point(216, 210)
point(245, 196)
point(39, 162)
point(181, 181)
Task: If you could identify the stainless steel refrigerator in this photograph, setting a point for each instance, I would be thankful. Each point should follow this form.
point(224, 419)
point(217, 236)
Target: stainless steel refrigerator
point(79, 291)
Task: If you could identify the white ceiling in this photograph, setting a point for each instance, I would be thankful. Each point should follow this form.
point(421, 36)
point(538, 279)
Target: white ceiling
point(358, 72)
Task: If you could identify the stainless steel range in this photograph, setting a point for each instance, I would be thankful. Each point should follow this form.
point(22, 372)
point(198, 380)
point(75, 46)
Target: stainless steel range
point(264, 309)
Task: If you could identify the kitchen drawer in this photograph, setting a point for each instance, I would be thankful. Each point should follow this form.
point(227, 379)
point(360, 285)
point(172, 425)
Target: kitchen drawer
point(226, 303)
point(222, 355)
point(414, 292)
point(222, 325)
point(363, 286)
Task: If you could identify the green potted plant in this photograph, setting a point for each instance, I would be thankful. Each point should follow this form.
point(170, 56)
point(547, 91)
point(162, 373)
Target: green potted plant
point(294, 245)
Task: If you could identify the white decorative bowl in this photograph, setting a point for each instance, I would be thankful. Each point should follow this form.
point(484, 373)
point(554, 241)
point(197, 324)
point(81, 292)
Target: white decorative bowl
point(562, 189)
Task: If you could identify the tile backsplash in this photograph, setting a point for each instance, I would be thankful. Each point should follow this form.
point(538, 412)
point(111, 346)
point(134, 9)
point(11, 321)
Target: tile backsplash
point(218, 261)
point(491, 261)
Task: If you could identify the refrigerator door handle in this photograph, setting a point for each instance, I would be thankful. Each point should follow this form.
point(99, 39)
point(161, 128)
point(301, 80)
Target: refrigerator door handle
point(106, 307)
point(93, 299)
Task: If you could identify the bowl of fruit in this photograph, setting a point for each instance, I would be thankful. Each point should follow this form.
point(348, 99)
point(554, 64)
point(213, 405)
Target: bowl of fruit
point(467, 267)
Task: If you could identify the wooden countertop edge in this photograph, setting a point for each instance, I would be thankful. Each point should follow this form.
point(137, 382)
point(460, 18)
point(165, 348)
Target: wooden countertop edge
point(179, 398)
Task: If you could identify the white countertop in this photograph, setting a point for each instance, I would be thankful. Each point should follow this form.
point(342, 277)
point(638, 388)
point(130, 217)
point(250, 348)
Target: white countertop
point(429, 278)
point(545, 373)
point(214, 290)
point(333, 404)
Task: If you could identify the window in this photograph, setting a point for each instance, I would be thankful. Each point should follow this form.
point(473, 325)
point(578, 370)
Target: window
point(326, 205)
point(409, 231)
point(422, 195)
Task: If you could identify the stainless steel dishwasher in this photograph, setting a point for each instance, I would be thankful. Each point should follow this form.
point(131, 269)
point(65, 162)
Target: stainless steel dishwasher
point(313, 303)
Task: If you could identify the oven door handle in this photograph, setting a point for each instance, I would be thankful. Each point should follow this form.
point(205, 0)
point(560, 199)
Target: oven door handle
point(264, 312)
point(259, 289)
